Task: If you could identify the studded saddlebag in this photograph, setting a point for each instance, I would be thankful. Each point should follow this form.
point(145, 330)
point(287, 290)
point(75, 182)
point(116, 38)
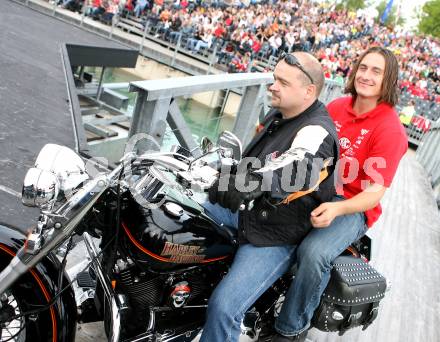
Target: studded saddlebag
point(352, 296)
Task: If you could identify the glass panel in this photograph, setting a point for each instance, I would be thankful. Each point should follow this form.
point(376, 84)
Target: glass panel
point(201, 112)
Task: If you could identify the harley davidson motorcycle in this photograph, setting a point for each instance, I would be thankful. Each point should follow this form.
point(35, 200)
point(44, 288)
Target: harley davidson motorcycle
point(154, 254)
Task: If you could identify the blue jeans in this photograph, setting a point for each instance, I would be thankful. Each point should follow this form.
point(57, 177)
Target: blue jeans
point(201, 44)
point(255, 269)
point(220, 215)
point(191, 43)
point(174, 36)
point(314, 258)
point(138, 9)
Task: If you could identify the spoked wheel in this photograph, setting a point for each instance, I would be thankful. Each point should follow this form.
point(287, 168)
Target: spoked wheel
point(28, 294)
point(13, 326)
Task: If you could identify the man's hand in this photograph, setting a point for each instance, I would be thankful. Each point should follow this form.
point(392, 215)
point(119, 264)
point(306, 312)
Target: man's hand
point(324, 215)
point(231, 198)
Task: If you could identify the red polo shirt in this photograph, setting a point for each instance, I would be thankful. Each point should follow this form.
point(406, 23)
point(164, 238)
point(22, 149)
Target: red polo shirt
point(371, 146)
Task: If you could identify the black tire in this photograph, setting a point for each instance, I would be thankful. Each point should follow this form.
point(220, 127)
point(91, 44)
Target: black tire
point(28, 293)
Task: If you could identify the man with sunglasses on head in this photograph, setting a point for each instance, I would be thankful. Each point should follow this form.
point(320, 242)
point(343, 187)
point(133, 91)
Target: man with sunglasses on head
point(287, 171)
point(372, 142)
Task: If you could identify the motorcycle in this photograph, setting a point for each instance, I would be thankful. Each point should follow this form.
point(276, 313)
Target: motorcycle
point(159, 257)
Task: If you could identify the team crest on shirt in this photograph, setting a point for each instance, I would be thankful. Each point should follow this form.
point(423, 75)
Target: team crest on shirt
point(349, 152)
point(344, 143)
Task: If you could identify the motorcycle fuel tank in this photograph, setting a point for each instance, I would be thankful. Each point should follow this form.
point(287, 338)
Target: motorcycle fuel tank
point(174, 236)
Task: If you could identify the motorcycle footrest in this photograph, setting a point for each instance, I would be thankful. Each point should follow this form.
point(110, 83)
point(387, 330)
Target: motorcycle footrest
point(85, 280)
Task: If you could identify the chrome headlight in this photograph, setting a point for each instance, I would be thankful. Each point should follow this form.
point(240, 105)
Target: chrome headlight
point(57, 168)
point(40, 187)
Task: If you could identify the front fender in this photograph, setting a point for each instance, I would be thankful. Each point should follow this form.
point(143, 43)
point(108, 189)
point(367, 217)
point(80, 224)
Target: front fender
point(48, 269)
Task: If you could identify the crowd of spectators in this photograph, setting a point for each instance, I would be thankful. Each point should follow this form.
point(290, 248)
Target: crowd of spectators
point(245, 33)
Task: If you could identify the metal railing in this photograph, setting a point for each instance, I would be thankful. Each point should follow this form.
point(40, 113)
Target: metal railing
point(170, 54)
point(156, 111)
point(428, 154)
point(155, 106)
point(415, 134)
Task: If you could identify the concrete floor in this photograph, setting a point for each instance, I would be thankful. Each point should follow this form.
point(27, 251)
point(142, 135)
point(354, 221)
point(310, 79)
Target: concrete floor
point(33, 95)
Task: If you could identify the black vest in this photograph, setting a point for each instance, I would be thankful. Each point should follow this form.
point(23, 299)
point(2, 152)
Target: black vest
point(267, 224)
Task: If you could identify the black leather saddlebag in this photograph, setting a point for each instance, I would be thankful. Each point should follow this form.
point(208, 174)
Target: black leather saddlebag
point(352, 296)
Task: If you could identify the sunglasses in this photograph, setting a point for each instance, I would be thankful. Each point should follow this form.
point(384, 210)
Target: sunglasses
point(293, 61)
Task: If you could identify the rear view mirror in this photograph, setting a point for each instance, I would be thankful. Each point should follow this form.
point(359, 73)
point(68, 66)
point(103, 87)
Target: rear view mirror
point(230, 145)
point(206, 145)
